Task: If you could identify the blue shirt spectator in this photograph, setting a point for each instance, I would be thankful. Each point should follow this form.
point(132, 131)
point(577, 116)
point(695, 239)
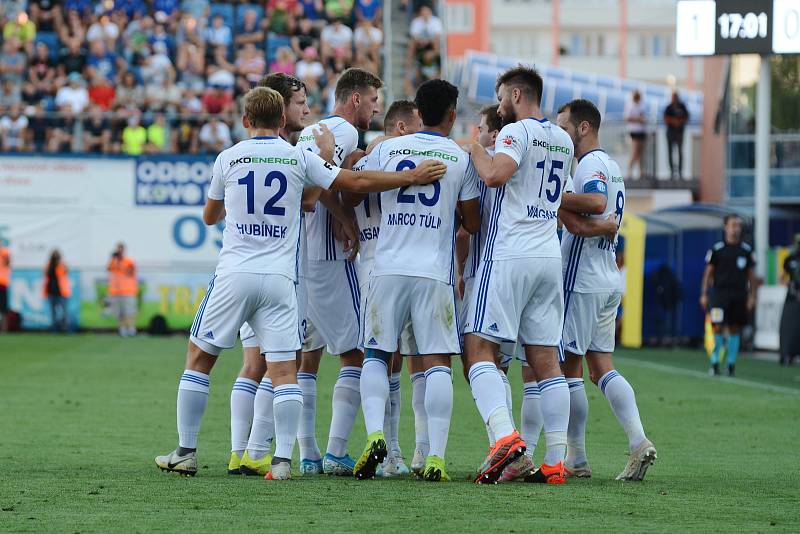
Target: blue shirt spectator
point(81, 6)
point(196, 8)
point(368, 10)
point(103, 61)
point(129, 7)
point(218, 34)
point(312, 9)
point(167, 6)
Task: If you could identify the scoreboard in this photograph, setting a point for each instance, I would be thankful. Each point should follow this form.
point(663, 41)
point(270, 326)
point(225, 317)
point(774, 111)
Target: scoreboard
point(723, 27)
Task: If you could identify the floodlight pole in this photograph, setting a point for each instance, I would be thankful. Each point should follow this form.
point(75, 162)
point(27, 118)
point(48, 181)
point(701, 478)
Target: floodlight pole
point(763, 126)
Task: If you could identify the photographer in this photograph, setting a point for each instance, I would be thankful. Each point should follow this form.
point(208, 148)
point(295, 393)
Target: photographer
point(789, 334)
point(123, 290)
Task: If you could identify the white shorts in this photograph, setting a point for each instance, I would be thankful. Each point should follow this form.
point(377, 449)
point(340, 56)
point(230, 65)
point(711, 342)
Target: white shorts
point(407, 344)
point(123, 306)
point(589, 322)
point(507, 348)
point(518, 299)
point(429, 305)
point(267, 302)
point(248, 336)
point(333, 306)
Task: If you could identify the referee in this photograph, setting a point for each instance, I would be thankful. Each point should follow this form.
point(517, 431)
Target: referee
point(730, 277)
point(790, 318)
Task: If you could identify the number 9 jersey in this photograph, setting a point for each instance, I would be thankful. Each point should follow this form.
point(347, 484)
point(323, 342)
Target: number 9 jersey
point(261, 181)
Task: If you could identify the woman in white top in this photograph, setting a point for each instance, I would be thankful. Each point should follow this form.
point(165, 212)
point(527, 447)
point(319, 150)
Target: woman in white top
point(636, 120)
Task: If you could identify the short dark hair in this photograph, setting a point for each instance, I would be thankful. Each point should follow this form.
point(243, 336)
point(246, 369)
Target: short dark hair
point(285, 84)
point(435, 99)
point(581, 110)
point(730, 216)
point(493, 120)
point(527, 79)
point(354, 80)
point(399, 110)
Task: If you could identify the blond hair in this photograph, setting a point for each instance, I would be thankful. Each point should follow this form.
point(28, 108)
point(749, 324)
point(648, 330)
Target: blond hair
point(263, 107)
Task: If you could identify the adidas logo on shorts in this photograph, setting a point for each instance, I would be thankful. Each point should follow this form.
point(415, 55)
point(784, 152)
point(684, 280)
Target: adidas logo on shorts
point(493, 327)
point(372, 341)
point(209, 335)
point(572, 345)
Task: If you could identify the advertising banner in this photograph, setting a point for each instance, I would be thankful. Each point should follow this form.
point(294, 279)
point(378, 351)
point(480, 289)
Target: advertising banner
point(768, 317)
point(26, 296)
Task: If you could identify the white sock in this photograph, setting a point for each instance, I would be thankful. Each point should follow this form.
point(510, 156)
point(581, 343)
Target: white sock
point(578, 415)
point(374, 393)
point(509, 397)
point(243, 394)
point(490, 396)
point(623, 403)
point(394, 415)
point(555, 414)
point(387, 428)
point(287, 405)
point(439, 407)
point(192, 400)
point(307, 433)
point(346, 401)
point(420, 416)
point(531, 416)
point(490, 434)
point(263, 429)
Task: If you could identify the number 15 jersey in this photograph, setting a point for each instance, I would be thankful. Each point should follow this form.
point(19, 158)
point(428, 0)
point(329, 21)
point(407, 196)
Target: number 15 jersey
point(261, 181)
point(417, 232)
point(524, 211)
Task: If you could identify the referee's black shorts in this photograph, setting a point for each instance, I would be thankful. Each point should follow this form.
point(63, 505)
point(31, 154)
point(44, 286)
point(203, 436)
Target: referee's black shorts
point(3, 300)
point(729, 308)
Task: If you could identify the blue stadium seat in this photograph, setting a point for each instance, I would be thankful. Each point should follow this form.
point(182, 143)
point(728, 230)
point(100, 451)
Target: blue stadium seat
point(274, 42)
point(226, 10)
point(242, 9)
point(52, 42)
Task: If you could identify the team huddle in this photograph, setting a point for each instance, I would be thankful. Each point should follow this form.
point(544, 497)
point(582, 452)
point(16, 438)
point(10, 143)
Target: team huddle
point(414, 250)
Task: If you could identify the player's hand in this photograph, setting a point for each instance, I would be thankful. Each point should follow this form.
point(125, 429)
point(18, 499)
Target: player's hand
point(325, 140)
point(428, 171)
point(347, 234)
point(704, 302)
point(612, 233)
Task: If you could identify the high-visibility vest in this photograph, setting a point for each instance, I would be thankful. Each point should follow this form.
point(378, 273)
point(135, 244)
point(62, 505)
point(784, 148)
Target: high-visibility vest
point(64, 285)
point(122, 278)
point(5, 267)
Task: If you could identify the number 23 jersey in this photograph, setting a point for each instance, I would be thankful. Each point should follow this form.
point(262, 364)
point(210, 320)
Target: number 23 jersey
point(417, 232)
point(261, 181)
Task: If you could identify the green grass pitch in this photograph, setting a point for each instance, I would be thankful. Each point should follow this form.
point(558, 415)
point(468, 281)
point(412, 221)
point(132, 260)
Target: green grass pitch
point(83, 416)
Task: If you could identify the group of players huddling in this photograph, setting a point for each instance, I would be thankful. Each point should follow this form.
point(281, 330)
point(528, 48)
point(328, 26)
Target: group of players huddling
point(416, 248)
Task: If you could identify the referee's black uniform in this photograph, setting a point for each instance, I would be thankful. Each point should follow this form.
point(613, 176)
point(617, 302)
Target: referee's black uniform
point(729, 292)
point(790, 318)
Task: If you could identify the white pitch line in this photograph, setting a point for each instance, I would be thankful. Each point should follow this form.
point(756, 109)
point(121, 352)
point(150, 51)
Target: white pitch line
point(700, 374)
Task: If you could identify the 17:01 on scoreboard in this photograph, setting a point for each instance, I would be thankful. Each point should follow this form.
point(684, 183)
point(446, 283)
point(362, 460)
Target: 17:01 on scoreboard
point(708, 27)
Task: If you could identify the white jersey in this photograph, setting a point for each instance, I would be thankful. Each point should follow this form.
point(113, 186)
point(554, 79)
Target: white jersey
point(368, 215)
point(261, 181)
point(590, 264)
point(321, 243)
point(525, 210)
point(478, 240)
point(417, 232)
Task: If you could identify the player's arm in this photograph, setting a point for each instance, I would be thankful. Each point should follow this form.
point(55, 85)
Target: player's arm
point(214, 211)
point(590, 203)
point(376, 181)
point(346, 218)
point(310, 197)
point(589, 226)
point(470, 214)
point(708, 278)
point(753, 289)
point(494, 171)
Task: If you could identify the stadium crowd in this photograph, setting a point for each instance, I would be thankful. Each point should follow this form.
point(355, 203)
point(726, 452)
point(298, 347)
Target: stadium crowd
point(150, 76)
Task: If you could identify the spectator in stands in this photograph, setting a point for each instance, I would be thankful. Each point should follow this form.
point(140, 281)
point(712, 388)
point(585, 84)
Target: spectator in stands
point(13, 130)
point(368, 10)
point(80, 7)
point(425, 31)
point(12, 62)
point(102, 61)
point(103, 29)
point(338, 9)
point(189, 32)
point(45, 14)
point(71, 59)
point(309, 69)
point(42, 71)
point(284, 61)
point(313, 10)
point(134, 136)
point(337, 39)
point(675, 116)
point(101, 92)
point(281, 16)
point(157, 66)
point(219, 34)
point(130, 93)
point(5, 280)
point(74, 97)
point(196, 8)
point(161, 37)
point(72, 32)
point(96, 132)
point(22, 30)
point(368, 39)
point(9, 95)
point(191, 66)
point(136, 39)
point(304, 36)
point(636, 120)
point(57, 289)
point(250, 63)
point(252, 30)
point(157, 135)
point(38, 128)
point(169, 9)
point(123, 290)
point(164, 97)
point(184, 133)
point(218, 100)
point(215, 136)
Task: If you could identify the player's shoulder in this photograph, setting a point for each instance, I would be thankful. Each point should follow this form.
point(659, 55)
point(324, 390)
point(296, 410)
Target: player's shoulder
point(361, 163)
point(719, 245)
point(339, 126)
point(746, 247)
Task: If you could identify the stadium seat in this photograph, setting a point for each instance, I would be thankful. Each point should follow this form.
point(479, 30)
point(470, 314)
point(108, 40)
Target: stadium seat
point(242, 9)
point(274, 42)
point(226, 10)
point(52, 42)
